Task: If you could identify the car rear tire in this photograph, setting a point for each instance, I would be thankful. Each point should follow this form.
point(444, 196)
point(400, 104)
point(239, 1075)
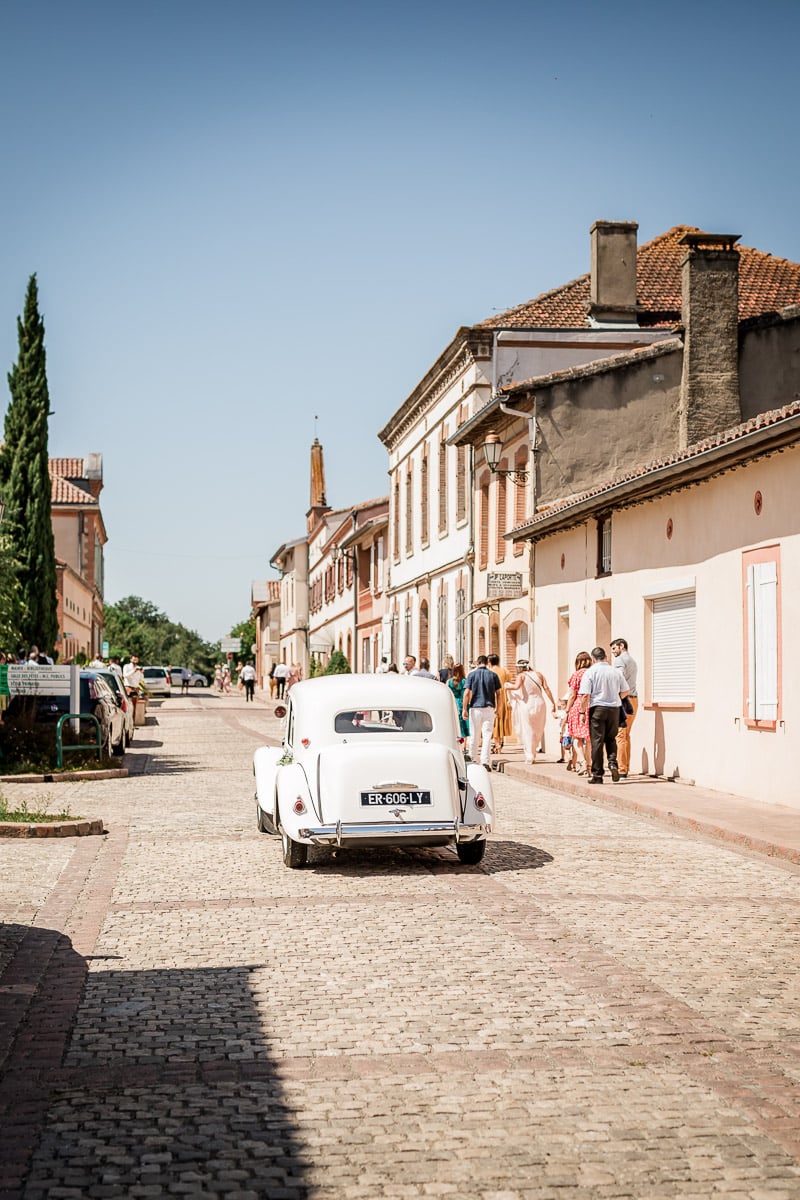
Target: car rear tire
point(295, 854)
point(262, 821)
point(471, 853)
point(199, 683)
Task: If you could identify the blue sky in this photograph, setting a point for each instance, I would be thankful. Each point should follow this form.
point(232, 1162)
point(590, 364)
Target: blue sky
point(245, 215)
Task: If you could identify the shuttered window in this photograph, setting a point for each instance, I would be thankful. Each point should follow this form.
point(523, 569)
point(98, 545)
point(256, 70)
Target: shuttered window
point(762, 641)
point(483, 522)
point(673, 649)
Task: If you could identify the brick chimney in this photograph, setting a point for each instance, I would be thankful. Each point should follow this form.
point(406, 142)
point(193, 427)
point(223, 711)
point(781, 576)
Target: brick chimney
point(612, 285)
point(709, 399)
point(319, 503)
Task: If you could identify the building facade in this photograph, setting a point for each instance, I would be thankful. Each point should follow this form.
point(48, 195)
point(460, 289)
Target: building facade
point(693, 560)
point(80, 536)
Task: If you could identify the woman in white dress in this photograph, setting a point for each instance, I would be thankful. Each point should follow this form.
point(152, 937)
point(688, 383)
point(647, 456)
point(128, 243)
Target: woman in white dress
point(529, 711)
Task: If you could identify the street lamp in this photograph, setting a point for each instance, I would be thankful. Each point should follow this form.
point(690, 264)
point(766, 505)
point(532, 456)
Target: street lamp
point(492, 448)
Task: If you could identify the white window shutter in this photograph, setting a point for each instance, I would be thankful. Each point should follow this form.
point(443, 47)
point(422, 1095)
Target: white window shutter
point(674, 652)
point(762, 612)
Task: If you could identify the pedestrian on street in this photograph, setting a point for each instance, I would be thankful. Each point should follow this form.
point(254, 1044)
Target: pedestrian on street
point(186, 679)
point(625, 662)
point(281, 675)
point(602, 690)
point(480, 699)
point(458, 685)
point(409, 664)
point(577, 721)
point(502, 721)
point(132, 676)
point(527, 693)
point(248, 678)
point(424, 669)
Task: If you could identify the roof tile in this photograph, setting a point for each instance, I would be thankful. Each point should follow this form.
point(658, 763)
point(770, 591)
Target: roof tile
point(766, 284)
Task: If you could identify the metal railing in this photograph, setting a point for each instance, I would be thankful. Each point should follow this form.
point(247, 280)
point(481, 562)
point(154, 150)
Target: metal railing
point(61, 749)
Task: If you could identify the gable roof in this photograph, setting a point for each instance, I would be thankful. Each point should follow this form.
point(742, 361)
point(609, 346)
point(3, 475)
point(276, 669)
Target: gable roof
point(62, 491)
point(766, 284)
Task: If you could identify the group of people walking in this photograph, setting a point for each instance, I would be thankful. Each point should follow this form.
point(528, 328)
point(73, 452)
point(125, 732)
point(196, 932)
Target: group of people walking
point(597, 710)
point(601, 706)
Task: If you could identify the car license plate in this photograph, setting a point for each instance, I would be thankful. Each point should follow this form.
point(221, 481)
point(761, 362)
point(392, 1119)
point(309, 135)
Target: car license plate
point(391, 799)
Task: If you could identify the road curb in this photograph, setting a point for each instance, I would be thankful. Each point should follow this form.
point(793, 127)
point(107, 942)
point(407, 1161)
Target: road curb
point(613, 796)
point(67, 777)
point(48, 829)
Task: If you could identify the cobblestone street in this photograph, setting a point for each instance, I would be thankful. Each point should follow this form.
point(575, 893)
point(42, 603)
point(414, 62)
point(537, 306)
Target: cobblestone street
point(605, 1007)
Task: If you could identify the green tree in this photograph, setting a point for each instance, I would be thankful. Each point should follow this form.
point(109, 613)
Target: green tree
point(338, 664)
point(135, 626)
point(11, 603)
point(25, 481)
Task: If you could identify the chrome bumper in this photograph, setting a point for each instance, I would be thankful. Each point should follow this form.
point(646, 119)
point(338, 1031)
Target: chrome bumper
point(335, 835)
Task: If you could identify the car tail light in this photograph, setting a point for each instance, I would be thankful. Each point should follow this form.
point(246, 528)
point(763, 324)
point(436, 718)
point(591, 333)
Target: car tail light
point(480, 800)
point(299, 807)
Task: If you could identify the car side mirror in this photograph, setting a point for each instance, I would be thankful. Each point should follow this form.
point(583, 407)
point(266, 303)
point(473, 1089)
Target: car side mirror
point(280, 712)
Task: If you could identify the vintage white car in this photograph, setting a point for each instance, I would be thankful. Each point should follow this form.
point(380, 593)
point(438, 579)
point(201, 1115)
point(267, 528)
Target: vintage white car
point(372, 760)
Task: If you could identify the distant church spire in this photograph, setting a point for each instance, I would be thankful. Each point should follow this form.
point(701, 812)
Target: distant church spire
point(318, 499)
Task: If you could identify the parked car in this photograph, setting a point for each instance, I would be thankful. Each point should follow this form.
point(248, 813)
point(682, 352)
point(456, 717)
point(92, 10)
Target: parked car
point(370, 760)
point(157, 681)
point(96, 699)
point(124, 702)
point(195, 681)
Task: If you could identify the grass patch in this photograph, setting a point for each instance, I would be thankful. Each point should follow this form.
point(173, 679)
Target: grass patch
point(39, 811)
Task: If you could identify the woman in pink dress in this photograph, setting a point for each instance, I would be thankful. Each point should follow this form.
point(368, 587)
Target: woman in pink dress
point(578, 722)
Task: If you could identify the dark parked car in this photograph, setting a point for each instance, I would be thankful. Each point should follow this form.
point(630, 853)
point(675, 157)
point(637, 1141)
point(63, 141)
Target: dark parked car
point(96, 699)
point(123, 700)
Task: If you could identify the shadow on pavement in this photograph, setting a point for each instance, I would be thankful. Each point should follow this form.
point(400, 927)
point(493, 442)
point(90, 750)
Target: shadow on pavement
point(394, 860)
point(135, 1079)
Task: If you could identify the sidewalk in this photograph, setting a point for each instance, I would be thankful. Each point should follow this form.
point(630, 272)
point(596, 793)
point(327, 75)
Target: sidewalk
point(771, 829)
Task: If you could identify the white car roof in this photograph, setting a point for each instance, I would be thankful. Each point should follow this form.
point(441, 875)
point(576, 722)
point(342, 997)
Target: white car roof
point(319, 697)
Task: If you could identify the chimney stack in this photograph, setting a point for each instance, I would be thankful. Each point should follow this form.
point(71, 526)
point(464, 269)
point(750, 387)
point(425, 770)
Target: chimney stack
point(612, 287)
point(319, 502)
point(709, 400)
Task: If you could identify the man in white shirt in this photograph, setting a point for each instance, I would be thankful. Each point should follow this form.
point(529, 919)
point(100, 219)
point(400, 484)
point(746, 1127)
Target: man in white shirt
point(282, 673)
point(626, 663)
point(601, 692)
point(132, 677)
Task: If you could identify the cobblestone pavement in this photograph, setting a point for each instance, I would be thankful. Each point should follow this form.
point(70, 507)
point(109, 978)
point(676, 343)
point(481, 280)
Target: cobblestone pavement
point(604, 1008)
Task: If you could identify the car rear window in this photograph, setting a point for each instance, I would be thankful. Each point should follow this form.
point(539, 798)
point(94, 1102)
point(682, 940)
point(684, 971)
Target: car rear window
point(383, 720)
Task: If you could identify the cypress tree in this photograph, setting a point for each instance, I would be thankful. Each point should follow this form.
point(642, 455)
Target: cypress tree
point(25, 480)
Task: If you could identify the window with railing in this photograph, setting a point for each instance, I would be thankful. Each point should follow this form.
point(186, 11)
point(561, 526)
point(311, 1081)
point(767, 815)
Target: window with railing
point(409, 510)
point(604, 545)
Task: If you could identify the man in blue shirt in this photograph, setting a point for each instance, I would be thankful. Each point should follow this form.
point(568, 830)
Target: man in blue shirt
point(479, 705)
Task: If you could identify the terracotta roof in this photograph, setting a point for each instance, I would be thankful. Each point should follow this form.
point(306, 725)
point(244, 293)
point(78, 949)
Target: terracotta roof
point(70, 468)
point(727, 437)
point(766, 284)
point(64, 492)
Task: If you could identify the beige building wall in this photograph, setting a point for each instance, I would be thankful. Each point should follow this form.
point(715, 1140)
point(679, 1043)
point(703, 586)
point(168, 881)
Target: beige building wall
point(75, 616)
point(692, 539)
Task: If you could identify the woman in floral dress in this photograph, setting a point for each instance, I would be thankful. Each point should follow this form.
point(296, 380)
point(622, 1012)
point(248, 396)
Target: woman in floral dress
point(578, 722)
